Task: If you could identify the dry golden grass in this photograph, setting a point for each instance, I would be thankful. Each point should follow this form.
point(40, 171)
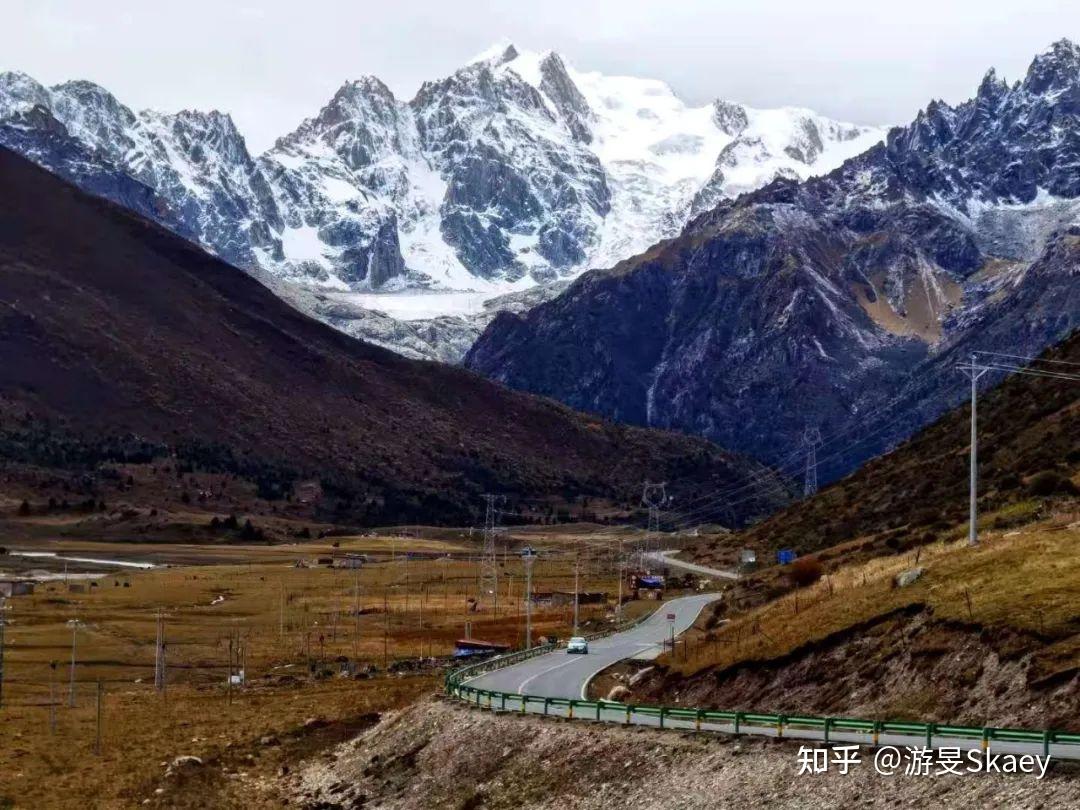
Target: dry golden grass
point(1028, 580)
point(141, 732)
point(287, 618)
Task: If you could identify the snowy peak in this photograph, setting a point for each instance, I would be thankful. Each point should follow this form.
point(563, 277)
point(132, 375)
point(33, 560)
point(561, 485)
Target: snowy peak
point(1056, 69)
point(517, 168)
point(500, 53)
point(20, 93)
point(1006, 145)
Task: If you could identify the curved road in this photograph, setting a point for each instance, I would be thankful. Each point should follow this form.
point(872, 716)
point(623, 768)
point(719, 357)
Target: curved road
point(561, 675)
point(668, 558)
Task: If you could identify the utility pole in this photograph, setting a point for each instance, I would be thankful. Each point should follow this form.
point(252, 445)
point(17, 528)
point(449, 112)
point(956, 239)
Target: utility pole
point(974, 372)
point(3, 622)
point(97, 724)
point(356, 614)
point(281, 611)
point(811, 440)
point(229, 673)
point(619, 572)
point(159, 654)
point(423, 591)
point(528, 556)
point(386, 631)
point(52, 697)
point(74, 624)
point(576, 591)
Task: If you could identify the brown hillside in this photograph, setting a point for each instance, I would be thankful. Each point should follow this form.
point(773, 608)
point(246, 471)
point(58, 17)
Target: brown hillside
point(110, 325)
point(1029, 456)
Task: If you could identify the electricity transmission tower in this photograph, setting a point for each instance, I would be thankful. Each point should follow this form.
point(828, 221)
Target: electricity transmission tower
point(653, 496)
point(489, 564)
point(811, 440)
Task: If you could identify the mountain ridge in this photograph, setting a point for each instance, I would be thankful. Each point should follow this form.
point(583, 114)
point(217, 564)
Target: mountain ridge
point(814, 304)
point(514, 169)
point(111, 325)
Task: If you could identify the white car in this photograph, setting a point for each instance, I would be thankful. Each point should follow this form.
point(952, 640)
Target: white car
point(577, 645)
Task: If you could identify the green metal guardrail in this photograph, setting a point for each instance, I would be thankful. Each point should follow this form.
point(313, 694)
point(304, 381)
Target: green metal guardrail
point(732, 722)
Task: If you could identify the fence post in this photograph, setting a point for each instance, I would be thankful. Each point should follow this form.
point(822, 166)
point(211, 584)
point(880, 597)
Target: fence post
point(877, 731)
point(570, 710)
point(598, 711)
point(662, 711)
point(987, 734)
point(930, 735)
point(547, 703)
point(1046, 742)
point(780, 726)
point(697, 720)
point(828, 723)
point(738, 721)
point(628, 714)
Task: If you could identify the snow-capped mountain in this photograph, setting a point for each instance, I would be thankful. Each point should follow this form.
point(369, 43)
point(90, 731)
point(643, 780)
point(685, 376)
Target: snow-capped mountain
point(842, 302)
point(516, 169)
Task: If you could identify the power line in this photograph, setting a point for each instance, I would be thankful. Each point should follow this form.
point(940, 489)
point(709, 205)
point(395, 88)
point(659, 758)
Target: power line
point(1030, 359)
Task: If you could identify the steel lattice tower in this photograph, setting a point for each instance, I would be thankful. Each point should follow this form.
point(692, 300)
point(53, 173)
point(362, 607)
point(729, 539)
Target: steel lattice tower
point(653, 496)
point(489, 564)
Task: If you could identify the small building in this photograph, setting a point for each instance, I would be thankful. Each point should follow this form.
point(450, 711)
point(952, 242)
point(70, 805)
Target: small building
point(15, 587)
point(351, 560)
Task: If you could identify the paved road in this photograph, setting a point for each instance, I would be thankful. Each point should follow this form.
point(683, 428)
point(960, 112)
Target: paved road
point(668, 558)
point(561, 675)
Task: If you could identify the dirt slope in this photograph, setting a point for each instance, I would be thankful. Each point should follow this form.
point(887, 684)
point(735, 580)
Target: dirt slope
point(441, 755)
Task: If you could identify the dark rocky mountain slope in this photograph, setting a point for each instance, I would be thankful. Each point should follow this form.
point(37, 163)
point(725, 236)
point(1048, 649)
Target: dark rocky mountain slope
point(110, 325)
point(840, 303)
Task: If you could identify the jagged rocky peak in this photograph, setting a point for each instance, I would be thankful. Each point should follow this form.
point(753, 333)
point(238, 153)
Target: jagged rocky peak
point(19, 93)
point(201, 134)
point(1055, 69)
point(558, 86)
point(1004, 144)
point(992, 87)
point(729, 117)
point(499, 53)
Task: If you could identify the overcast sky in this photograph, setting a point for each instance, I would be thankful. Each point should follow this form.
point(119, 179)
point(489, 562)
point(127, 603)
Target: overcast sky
point(271, 64)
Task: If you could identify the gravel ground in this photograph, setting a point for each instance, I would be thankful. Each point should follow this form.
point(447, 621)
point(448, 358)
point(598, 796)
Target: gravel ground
point(440, 754)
